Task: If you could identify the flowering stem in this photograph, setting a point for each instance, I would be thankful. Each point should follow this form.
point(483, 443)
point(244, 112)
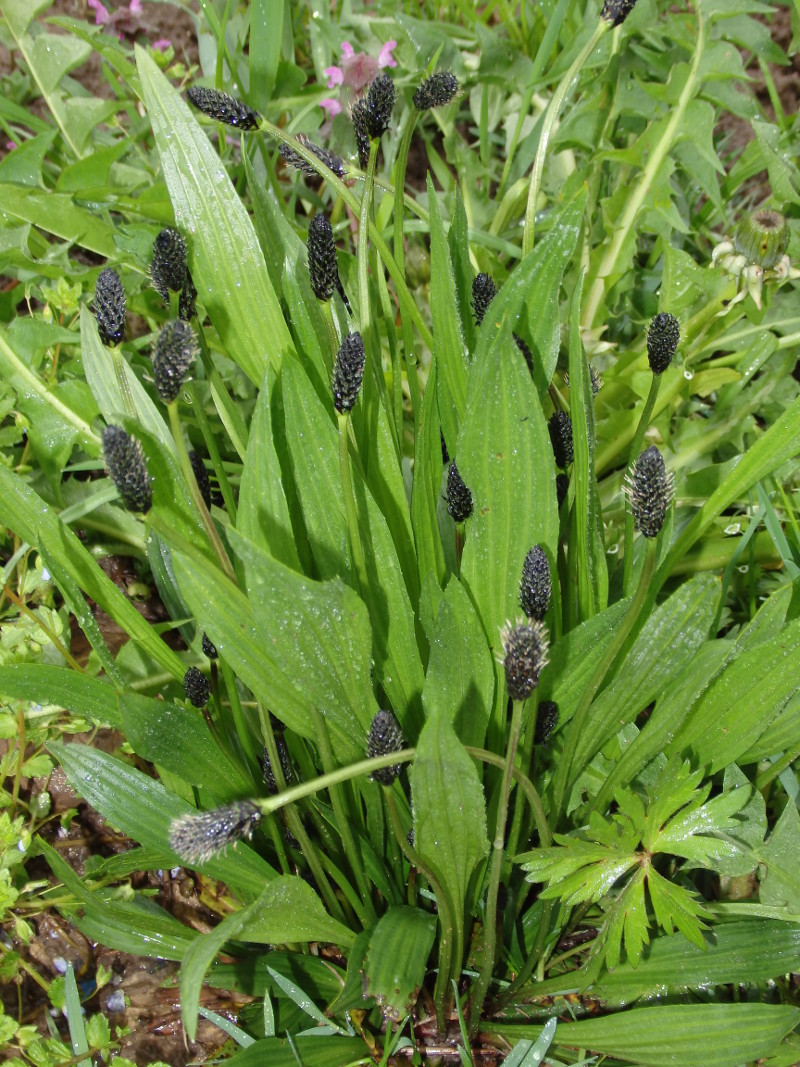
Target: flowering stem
point(399, 179)
point(490, 911)
point(356, 548)
point(548, 125)
point(636, 444)
point(525, 751)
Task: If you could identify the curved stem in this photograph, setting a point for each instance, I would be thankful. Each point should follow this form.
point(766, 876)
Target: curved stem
point(525, 784)
point(636, 444)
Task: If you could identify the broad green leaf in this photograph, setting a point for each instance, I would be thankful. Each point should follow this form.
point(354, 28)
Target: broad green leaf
point(460, 679)
point(332, 1051)
point(30, 518)
point(531, 1053)
point(397, 958)
point(44, 683)
point(780, 886)
point(266, 32)
point(458, 241)
point(143, 809)
point(57, 213)
point(674, 1035)
point(427, 485)
point(290, 910)
point(227, 263)
point(780, 736)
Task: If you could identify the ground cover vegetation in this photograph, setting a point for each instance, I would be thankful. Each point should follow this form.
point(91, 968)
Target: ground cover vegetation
point(433, 368)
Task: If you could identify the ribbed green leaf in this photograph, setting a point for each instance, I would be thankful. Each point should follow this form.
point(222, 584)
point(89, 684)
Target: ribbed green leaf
point(680, 1035)
point(227, 263)
point(397, 958)
point(330, 1051)
point(780, 886)
point(427, 486)
point(44, 683)
point(57, 213)
point(266, 33)
point(143, 809)
point(290, 910)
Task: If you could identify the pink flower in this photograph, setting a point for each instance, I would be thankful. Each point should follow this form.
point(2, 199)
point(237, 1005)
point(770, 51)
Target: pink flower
point(11, 145)
point(162, 44)
point(135, 7)
point(385, 57)
point(101, 14)
point(356, 72)
point(333, 107)
point(335, 76)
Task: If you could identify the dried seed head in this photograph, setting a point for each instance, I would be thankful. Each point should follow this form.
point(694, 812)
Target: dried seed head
point(209, 648)
point(560, 427)
point(483, 293)
point(198, 838)
point(385, 737)
point(187, 305)
point(201, 477)
point(616, 11)
point(648, 487)
point(436, 91)
point(286, 766)
point(762, 237)
point(536, 587)
point(525, 647)
point(348, 372)
point(224, 108)
point(292, 158)
point(359, 116)
point(379, 105)
point(168, 265)
point(109, 307)
point(663, 337)
point(562, 488)
point(546, 722)
point(322, 266)
point(527, 355)
point(175, 351)
point(196, 687)
point(458, 496)
point(127, 467)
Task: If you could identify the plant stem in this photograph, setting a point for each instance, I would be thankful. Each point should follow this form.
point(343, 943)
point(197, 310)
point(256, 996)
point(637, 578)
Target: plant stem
point(636, 444)
point(776, 768)
point(578, 721)
point(357, 549)
point(525, 784)
point(490, 910)
point(533, 959)
point(362, 252)
point(548, 125)
point(525, 750)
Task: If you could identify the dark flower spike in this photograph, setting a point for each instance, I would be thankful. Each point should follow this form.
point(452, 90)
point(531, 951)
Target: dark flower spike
point(201, 477)
point(109, 307)
point(648, 487)
point(546, 721)
point(126, 465)
point(527, 355)
point(458, 496)
point(385, 737)
point(286, 766)
point(536, 587)
point(196, 687)
point(562, 488)
point(348, 372)
point(322, 266)
point(168, 266)
point(293, 159)
point(436, 91)
point(616, 11)
point(224, 108)
point(198, 838)
point(176, 348)
point(209, 648)
point(525, 648)
point(379, 105)
point(343, 295)
point(187, 305)
point(483, 293)
point(663, 337)
point(359, 116)
point(560, 427)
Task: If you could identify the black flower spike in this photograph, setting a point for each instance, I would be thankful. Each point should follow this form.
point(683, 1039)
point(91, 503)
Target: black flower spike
point(109, 307)
point(436, 91)
point(458, 496)
point(359, 116)
point(483, 293)
point(348, 372)
point(546, 722)
point(286, 766)
point(198, 838)
point(209, 648)
point(527, 355)
point(560, 427)
point(168, 265)
point(379, 105)
point(187, 305)
point(292, 158)
point(648, 487)
point(196, 687)
point(385, 737)
point(536, 587)
point(224, 108)
point(175, 351)
point(201, 477)
point(525, 648)
point(562, 488)
point(663, 338)
point(322, 266)
point(126, 465)
point(616, 11)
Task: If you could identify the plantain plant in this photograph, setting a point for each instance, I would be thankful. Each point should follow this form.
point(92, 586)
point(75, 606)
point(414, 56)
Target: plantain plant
point(474, 511)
